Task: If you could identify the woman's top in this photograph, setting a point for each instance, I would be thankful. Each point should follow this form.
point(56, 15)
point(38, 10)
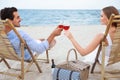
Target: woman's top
point(107, 51)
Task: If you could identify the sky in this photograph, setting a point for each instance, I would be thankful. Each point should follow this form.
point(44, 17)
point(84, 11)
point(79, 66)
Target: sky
point(59, 4)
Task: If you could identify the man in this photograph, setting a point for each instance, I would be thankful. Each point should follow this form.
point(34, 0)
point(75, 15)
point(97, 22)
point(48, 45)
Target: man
point(12, 14)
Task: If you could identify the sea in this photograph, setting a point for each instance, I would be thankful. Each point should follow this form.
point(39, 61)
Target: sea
point(41, 17)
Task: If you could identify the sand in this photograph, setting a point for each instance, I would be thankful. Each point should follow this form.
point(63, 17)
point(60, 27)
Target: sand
point(83, 34)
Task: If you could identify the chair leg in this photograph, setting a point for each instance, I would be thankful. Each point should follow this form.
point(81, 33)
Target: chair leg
point(22, 69)
point(22, 61)
point(47, 55)
point(33, 58)
point(102, 73)
point(6, 63)
point(93, 67)
point(37, 65)
point(103, 62)
point(96, 58)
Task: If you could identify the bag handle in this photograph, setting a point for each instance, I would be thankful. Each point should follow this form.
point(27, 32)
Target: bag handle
point(69, 54)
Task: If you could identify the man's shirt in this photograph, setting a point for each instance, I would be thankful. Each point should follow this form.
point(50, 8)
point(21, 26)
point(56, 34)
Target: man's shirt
point(33, 44)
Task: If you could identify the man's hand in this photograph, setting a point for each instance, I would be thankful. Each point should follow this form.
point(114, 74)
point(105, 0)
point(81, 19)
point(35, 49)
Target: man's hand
point(57, 31)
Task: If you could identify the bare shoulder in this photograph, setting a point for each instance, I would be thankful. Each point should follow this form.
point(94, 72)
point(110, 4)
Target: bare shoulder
point(101, 35)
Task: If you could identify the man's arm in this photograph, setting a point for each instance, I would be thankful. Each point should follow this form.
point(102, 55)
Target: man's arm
point(55, 33)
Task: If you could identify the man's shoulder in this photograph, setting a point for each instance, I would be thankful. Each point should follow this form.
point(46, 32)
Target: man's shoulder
point(20, 31)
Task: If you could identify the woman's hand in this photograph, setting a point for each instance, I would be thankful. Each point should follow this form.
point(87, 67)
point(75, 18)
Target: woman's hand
point(68, 34)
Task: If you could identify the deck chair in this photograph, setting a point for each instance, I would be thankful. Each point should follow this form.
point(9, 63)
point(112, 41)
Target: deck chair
point(7, 52)
point(46, 60)
point(115, 51)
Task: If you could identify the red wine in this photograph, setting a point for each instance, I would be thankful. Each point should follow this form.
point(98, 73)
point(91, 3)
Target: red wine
point(60, 26)
point(66, 27)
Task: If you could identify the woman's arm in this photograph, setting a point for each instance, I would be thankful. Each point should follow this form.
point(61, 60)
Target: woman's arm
point(84, 51)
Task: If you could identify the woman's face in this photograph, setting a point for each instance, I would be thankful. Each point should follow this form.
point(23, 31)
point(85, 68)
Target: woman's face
point(103, 18)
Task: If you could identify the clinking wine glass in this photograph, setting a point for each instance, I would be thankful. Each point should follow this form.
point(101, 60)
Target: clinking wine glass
point(61, 24)
point(66, 25)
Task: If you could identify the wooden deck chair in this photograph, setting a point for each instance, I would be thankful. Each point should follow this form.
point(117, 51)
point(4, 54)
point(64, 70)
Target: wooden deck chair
point(47, 57)
point(7, 52)
point(115, 51)
point(47, 60)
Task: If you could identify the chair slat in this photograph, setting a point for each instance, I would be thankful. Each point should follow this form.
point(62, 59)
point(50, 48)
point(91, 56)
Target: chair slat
point(6, 49)
point(115, 52)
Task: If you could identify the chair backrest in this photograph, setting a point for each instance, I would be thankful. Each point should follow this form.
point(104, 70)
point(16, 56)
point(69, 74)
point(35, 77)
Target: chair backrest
point(6, 49)
point(22, 41)
point(115, 52)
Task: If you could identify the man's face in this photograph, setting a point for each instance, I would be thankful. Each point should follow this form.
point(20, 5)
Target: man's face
point(16, 20)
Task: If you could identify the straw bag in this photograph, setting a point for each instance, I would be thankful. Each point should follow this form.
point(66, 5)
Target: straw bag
point(71, 70)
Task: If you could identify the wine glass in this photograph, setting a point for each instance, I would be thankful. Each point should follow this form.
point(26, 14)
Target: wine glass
point(61, 24)
point(66, 25)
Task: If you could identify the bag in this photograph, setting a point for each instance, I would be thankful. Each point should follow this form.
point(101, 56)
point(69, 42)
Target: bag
point(71, 70)
point(64, 74)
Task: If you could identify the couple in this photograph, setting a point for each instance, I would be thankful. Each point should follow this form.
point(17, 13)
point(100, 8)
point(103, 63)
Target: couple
point(12, 14)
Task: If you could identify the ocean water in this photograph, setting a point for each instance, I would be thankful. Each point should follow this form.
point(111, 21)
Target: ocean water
point(54, 17)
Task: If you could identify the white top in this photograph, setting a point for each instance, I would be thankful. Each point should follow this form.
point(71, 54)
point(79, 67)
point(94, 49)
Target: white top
point(107, 51)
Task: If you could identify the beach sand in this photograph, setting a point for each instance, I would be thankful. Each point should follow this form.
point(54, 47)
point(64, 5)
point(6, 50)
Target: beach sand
point(83, 34)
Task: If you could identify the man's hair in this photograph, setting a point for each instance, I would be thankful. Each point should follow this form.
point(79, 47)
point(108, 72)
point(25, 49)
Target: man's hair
point(7, 13)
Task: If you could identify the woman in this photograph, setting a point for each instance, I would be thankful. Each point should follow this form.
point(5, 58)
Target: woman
point(105, 16)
